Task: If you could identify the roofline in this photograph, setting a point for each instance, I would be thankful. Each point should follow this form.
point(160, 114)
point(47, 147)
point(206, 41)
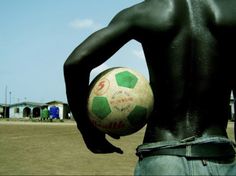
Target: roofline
point(55, 101)
point(29, 103)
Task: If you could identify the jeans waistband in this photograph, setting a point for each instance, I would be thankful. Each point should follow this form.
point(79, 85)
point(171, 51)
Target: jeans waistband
point(147, 147)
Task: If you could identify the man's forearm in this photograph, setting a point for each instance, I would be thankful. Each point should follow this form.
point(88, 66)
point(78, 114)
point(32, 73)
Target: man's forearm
point(77, 81)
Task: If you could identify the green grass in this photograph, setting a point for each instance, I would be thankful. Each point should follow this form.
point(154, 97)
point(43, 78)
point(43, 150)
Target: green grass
point(35, 148)
point(58, 149)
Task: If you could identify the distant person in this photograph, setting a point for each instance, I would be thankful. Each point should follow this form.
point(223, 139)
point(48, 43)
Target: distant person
point(45, 114)
point(190, 48)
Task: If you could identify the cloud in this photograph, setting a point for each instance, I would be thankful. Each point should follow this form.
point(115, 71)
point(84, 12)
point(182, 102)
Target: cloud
point(139, 54)
point(84, 24)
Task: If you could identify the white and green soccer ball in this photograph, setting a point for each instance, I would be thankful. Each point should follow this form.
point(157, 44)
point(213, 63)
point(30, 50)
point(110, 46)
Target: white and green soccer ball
point(120, 101)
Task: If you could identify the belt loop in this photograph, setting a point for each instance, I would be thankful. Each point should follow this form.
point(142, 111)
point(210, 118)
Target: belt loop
point(140, 155)
point(188, 150)
point(204, 162)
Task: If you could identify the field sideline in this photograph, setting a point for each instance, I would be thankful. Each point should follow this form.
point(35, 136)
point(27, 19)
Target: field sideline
point(34, 148)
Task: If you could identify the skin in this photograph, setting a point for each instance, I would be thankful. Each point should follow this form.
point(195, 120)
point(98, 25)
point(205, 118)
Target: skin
point(189, 49)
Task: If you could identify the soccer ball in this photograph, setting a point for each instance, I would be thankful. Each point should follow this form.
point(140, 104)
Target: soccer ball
point(120, 101)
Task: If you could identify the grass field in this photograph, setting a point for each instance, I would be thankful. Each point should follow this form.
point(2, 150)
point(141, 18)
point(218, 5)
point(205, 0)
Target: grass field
point(34, 148)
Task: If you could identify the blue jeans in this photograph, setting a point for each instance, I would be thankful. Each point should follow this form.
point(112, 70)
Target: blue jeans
point(177, 165)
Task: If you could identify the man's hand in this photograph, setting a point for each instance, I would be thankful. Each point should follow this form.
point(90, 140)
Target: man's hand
point(97, 143)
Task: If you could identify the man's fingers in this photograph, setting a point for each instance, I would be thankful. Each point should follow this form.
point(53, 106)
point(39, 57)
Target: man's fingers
point(114, 136)
point(118, 150)
point(113, 149)
point(103, 147)
point(106, 151)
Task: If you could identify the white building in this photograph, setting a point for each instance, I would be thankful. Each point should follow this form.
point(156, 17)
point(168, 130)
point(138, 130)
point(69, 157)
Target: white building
point(34, 109)
point(26, 109)
point(63, 108)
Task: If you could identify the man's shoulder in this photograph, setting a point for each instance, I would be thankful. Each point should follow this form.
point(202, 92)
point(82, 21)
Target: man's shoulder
point(148, 11)
point(223, 11)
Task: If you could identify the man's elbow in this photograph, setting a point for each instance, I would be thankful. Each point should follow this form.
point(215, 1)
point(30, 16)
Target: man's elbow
point(68, 64)
point(71, 62)
point(69, 68)
point(77, 58)
point(76, 62)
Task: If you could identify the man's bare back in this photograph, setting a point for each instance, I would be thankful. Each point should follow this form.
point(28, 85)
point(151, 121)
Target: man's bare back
point(189, 53)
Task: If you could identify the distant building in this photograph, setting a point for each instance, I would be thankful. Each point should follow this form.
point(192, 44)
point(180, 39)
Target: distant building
point(35, 110)
point(59, 109)
point(4, 111)
point(26, 109)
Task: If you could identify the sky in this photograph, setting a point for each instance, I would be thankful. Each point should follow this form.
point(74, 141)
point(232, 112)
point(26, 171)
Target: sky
point(37, 36)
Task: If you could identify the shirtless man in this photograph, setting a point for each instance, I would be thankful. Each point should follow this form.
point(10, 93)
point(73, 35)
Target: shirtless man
point(189, 47)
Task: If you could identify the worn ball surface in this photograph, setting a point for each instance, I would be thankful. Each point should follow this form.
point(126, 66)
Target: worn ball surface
point(120, 101)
